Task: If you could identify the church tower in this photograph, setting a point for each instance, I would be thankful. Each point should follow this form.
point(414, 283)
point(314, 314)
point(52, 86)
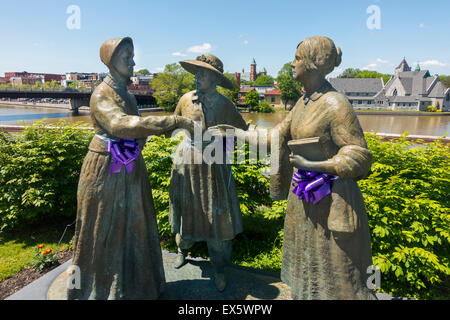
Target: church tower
point(403, 67)
point(253, 70)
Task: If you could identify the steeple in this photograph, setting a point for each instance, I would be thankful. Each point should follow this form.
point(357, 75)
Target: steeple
point(417, 67)
point(253, 62)
point(403, 66)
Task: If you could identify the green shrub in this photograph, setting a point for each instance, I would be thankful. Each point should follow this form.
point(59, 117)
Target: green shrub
point(407, 195)
point(157, 156)
point(265, 107)
point(39, 172)
point(407, 199)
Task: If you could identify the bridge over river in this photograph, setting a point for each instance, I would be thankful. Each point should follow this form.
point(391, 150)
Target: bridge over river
point(78, 97)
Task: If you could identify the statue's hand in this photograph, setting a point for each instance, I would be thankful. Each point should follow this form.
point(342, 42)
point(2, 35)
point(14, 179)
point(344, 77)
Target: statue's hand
point(298, 161)
point(221, 129)
point(187, 124)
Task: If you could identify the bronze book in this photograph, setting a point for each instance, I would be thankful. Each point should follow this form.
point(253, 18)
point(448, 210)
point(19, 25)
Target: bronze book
point(309, 148)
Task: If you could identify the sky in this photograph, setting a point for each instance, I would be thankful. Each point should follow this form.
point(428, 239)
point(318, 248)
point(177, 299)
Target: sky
point(50, 36)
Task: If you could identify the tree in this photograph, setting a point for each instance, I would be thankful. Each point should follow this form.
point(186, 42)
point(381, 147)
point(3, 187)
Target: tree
point(52, 84)
point(252, 100)
point(291, 90)
point(37, 84)
point(230, 94)
point(171, 85)
point(349, 73)
point(142, 71)
point(445, 80)
point(356, 73)
point(264, 80)
point(286, 70)
point(76, 85)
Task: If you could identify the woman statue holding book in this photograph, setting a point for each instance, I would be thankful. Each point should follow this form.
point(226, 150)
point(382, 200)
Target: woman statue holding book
point(117, 248)
point(326, 250)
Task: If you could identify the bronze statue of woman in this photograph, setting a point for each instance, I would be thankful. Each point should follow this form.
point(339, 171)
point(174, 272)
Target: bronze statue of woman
point(326, 250)
point(203, 199)
point(117, 248)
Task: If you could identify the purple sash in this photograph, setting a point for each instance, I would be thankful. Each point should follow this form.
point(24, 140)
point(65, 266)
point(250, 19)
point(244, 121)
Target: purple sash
point(123, 153)
point(312, 186)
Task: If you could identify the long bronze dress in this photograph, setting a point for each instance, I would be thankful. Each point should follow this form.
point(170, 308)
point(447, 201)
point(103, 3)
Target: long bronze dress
point(117, 243)
point(326, 249)
point(203, 198)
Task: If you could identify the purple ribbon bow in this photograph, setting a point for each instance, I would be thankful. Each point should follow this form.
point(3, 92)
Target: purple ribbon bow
point(123, 152)
point(312, 186)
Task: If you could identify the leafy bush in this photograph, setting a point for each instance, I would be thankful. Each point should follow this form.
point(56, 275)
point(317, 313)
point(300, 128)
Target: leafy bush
point(431, 109)
point(39, 172)
point(406, 196)
point(265, 107)
point(407, 199)
point(158, 159)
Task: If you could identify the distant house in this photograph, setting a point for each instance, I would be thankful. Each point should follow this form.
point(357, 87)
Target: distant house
point(406, 90)
point(242, 93)
point(273, 97)
point(4, 80)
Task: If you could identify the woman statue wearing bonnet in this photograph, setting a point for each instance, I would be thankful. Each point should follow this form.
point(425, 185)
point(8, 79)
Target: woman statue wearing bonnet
point(203, 199)
point(326, 251)
point(117, 248)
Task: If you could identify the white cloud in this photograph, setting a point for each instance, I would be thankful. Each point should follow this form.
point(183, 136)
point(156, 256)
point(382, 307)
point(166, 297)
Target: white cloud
point(433, 63)
point(204, 48)
point(370, 66)
point(422, 25)
point(179, 54)
point(379, 60)
point(245, 41)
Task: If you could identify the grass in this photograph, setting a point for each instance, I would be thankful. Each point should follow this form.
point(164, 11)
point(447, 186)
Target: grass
point(16, 248)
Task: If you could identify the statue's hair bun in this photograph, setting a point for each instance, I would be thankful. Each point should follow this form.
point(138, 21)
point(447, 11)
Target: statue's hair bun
point(338, 57)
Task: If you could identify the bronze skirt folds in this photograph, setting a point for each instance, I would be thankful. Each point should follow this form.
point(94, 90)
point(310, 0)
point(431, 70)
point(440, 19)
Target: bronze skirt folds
point(117, 242)
point(203, 199)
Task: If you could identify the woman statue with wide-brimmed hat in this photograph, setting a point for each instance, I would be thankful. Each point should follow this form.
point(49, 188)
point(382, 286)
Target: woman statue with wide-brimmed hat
point(117, 248)
point(203, 200)
point(326, 246)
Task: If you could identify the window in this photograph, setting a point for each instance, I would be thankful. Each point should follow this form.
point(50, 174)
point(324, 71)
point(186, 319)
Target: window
point(448, 97)
point(395, 93)
point(272, 99)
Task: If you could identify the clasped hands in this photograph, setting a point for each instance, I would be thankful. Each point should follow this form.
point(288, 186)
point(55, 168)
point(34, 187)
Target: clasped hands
point(297, 161)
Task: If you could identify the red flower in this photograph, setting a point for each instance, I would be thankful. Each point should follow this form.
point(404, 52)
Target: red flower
point(41, 246)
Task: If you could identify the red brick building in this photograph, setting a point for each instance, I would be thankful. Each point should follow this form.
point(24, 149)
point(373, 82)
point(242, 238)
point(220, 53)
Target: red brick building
point(47, 77)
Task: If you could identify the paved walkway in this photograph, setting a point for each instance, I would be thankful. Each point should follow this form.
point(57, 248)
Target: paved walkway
point(191, 282)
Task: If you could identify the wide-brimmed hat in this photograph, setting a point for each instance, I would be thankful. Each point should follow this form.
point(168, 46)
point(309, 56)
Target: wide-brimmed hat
point(109, 47)
point(209, 62)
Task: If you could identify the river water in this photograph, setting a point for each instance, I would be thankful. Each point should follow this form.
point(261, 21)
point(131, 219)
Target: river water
point(415, 125)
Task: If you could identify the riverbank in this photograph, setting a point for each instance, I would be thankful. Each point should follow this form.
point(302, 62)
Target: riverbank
point(383, 135)
point(156, 109)
point(401, 113)
point(65, 106)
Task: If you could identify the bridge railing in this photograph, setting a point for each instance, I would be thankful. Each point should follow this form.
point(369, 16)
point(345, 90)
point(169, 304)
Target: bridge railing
point(50, 90)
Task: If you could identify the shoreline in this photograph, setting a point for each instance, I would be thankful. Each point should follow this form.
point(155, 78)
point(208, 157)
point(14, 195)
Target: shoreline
point(359, 112)
point(64, 106)
point(384, 135)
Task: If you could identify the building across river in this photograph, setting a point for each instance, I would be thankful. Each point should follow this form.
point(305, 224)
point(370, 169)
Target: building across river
point(406, 90)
